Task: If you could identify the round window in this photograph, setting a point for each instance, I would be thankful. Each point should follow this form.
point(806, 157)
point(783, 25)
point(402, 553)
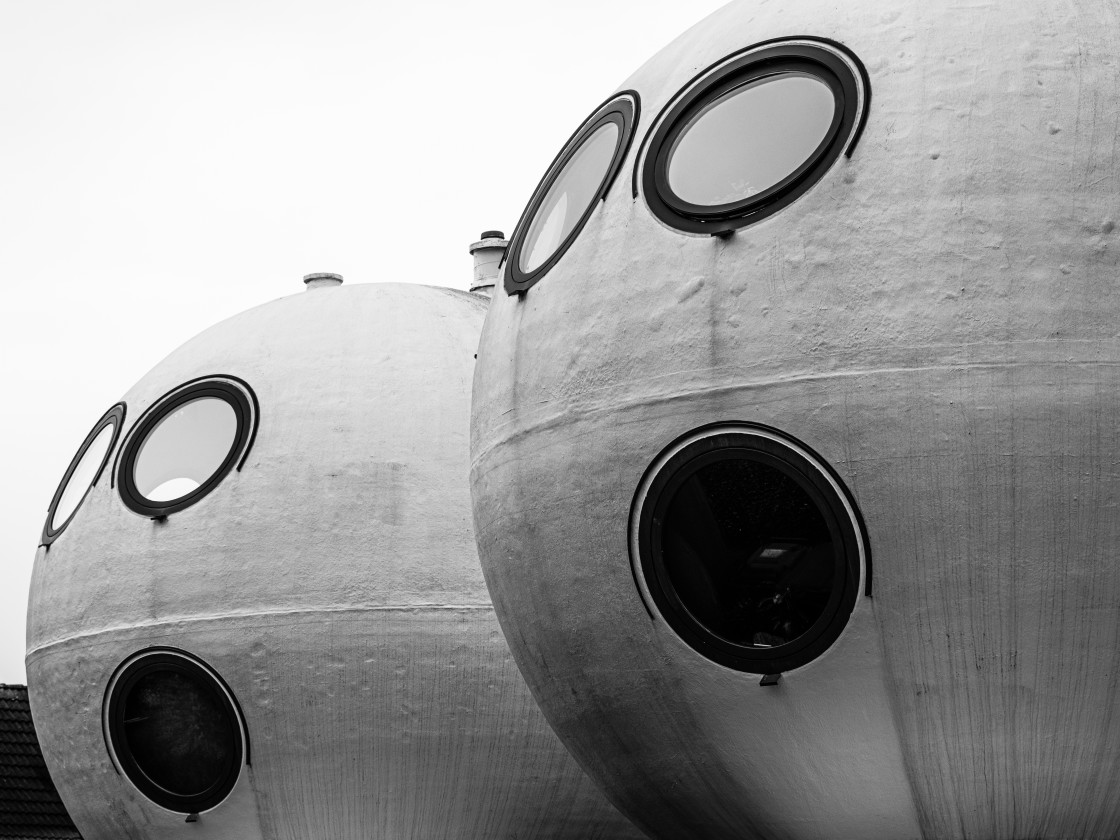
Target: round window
point(174, 729)
point(184, 445)
point(566, 196)
point(749, 547)
point(83, 472)
point(571, 193)
point(751, 137)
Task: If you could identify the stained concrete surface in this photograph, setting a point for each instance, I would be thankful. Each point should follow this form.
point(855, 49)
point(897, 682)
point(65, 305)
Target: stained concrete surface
point(937, 319)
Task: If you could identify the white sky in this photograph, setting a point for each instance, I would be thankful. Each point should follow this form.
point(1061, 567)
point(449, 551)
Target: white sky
point(164, 165)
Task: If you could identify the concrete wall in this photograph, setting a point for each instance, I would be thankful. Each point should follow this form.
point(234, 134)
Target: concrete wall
point(333, 583)
point(937, 318)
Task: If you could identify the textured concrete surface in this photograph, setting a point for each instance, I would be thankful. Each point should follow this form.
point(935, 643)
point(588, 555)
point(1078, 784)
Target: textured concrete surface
point(335, 586)
point(937, 318)
point(487, 254)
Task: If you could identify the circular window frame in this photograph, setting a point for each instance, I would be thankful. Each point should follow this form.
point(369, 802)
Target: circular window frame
point(679, 461)
point(234, 392)
point(623, 109)
point(821, 60)
point(126, 676)
point(113, 417)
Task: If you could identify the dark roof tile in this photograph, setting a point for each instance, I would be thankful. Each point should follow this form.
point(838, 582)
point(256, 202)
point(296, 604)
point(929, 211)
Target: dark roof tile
point(30, 808)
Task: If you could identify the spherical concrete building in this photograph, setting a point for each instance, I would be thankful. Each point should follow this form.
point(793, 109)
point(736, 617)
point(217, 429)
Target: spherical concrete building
point(266, 619)
point(795, 440)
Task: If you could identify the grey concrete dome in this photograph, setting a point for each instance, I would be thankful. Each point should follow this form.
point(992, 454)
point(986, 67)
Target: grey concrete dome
point(332, 583)
point(934, 318)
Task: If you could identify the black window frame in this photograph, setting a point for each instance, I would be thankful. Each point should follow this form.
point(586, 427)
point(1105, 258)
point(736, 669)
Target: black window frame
point(852, 95)
point(114, 706)
point(623, 109)
point(233, 391)
point(115, 417)
point(679, 461)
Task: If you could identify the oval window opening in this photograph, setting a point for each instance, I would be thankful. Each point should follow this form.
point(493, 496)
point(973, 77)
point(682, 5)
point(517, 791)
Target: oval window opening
point(83, 472)
point(751, 139)
point(185, 449)
point(175, 731)
point(748, 552)
point(568, 198)
point(179, 732)
point(749, 548)
point(185, 444)
point(753, 134)
point(82, 477)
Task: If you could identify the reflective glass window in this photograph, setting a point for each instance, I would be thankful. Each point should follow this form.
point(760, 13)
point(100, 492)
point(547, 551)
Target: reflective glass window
point(82, 477)
point(753, 134)
point(749, 547)
point(83, 472)
point(569, 192)
point(748, 552)
point(179, 731)
point(174, 730)
point(750, 139)
point(569, 196)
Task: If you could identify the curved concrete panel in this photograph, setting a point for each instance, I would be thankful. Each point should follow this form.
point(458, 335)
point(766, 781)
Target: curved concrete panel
point(936, 318)
point(334, 585)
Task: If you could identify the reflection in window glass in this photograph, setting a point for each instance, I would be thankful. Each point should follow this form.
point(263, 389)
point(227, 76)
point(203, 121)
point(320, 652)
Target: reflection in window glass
point(185, 449)
point(750, 139)
point(82, 476)
point(179, 732)
point(749, 553)
point(569, 197)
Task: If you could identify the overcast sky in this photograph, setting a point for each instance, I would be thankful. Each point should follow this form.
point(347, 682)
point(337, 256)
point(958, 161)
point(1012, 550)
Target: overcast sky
point(164, 165)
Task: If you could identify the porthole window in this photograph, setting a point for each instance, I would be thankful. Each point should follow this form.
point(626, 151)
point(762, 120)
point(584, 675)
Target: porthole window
point(83, 472)
point(749, 547)
point(752, 136)
point(566, 196)
point(183, 446)
point(175, 730)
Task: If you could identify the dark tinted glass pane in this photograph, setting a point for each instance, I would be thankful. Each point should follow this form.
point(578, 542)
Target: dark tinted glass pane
point(750, 139)
point(185, 448)
point(748, 552)
point(179, 732)
point(568, 197)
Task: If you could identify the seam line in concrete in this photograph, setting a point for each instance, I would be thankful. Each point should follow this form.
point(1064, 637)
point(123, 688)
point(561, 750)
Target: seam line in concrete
point(191, 619)
point(577, 413)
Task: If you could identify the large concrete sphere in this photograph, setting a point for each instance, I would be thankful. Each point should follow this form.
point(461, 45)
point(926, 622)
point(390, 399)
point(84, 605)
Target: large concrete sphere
point(937, 318)
point(334, 585)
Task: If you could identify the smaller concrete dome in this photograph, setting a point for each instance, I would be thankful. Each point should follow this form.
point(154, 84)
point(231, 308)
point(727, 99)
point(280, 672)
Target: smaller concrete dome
point(282, 537)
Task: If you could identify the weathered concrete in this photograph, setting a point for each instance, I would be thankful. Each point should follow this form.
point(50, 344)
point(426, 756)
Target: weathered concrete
point(333, 583)
point(937, 318)
point(487, 254)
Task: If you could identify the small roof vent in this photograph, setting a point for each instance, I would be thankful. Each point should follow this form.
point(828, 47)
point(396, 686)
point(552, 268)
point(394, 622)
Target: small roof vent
point(322, 280)
point(487, 253)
